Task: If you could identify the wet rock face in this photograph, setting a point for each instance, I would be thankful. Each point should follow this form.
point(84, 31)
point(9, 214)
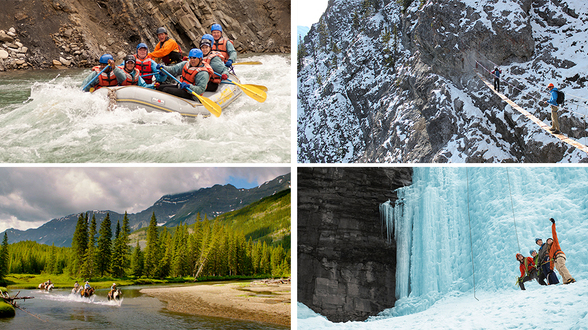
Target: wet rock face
point(81, 31)
point(346, 268)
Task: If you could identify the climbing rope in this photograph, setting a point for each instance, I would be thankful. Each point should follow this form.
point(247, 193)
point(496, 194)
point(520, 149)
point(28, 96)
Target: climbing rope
point(513, 213)
point(470, 224)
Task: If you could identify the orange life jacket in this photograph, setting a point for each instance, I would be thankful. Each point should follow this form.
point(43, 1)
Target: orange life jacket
point(144, 67)
point(220, 45)
point(189, 72)
point(174, 57)
point(105, 79)
point(130, 79)
point(214, 78)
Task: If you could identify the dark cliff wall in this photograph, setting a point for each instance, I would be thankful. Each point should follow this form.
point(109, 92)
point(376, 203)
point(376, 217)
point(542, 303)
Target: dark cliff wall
point(64, 33)
point(346, 269)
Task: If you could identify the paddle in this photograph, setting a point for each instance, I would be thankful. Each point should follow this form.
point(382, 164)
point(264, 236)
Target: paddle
point(149, 74)
point(214, 108)
point(96, 77)
point(248, 63)
point(251, 91)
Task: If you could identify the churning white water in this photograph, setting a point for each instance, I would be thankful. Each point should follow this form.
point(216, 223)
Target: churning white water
point(58, 123)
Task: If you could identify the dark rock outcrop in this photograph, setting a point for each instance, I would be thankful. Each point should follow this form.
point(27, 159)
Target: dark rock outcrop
point(71, 33)
point(346, 268)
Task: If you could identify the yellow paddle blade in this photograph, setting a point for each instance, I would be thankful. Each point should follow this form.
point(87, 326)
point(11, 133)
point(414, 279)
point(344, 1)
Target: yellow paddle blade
point(248, 63)
point(262, 87)
point(253, 92)
point(214, 108)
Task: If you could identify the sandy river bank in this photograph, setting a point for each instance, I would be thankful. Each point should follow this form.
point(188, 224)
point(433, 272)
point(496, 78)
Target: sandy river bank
point(262, 301)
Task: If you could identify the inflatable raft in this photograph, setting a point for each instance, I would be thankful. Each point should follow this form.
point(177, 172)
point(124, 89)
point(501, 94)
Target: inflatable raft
point(135, 97)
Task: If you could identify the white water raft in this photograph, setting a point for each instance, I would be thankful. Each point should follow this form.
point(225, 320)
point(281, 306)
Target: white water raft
point(135, 97)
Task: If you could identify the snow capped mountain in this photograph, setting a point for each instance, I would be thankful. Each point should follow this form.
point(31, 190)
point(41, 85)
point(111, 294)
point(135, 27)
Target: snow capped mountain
point(457, 231)
point(381, 82)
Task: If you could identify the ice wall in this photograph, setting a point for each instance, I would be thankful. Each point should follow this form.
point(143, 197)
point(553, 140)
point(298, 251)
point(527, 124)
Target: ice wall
point(504, 209)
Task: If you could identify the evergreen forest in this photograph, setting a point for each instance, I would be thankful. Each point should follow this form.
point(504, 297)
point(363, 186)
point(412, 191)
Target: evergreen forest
point(250, 242)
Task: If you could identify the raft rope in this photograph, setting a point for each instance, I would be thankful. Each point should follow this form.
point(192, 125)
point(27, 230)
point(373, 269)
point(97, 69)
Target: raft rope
point(470, 224)
point(513, 212)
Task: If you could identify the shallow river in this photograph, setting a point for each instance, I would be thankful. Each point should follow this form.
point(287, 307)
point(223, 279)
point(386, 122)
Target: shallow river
point(45, 118)
point(60, 309)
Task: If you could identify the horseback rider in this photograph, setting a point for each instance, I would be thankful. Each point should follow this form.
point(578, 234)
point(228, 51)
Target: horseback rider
point(76, 287)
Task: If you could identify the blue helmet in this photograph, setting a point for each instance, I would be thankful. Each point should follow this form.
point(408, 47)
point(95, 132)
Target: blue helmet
point(216, 27)
point(531, 252)
point(207, 39)
point(142, 45)
point(195, 52)
point(537, 239)
point(104, 58)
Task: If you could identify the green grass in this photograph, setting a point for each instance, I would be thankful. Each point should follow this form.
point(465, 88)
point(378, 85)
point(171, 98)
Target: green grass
point(6, 309)
point(63, 281)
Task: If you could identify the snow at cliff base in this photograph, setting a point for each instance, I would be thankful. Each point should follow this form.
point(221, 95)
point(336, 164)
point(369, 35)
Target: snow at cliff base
point(451, 216)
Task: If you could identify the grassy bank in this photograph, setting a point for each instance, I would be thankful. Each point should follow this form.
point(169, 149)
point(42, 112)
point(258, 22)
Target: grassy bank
point(6, 309)
point(63, 281)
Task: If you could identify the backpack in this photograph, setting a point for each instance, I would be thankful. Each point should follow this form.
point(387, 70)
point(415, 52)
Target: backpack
point(560, 97)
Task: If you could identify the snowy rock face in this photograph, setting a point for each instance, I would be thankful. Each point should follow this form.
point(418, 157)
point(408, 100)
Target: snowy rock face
point(346, 266)
point(380, 83)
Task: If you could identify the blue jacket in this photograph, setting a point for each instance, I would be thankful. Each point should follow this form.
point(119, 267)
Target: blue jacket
point(553, 100)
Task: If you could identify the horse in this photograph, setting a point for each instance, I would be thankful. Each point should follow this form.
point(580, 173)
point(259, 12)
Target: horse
point(116, 295)
point(49, 287)
point(86, 292)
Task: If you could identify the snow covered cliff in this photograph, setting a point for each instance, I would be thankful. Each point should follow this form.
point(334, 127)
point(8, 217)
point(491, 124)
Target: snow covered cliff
point(449, 218)
point(381, 81)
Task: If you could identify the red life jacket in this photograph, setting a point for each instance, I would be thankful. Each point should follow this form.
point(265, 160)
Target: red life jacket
point(105, 79)
point(144, 67)
point(189, 72)
point(220, 45)
point(130, 79)
point(213, 78)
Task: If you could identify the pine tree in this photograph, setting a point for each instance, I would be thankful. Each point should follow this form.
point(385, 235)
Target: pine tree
point(152, 249)
point(51, 265)
point(137, 262)
point(118, 254)
point(4, 258)
point(89, 260)
point(126, 232)
point(79, 243)
point(104, 250)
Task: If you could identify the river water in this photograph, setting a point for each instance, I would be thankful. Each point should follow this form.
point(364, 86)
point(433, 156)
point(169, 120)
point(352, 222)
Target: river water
point(45, 118)
point(60, 309)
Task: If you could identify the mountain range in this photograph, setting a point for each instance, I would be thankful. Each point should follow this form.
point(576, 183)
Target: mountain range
point(170, 210)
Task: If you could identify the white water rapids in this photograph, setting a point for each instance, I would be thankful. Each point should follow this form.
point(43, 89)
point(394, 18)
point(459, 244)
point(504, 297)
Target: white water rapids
point(60, 124)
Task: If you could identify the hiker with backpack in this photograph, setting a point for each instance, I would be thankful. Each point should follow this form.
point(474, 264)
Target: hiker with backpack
point(557, 99)
point(528, 271)
point(496, 74)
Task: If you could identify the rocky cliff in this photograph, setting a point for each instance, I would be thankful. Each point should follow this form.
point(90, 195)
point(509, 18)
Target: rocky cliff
point(66, 33)
point(346, 267)
point(396, 81)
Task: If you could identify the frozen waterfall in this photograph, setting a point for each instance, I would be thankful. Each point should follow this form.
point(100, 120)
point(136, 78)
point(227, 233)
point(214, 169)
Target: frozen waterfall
point(508, 207)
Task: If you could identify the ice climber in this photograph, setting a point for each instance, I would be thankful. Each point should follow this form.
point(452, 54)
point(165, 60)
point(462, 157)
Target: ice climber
point(194, 76)
point(167, 50)
point(496, 73)
point(528, 271)
point(223, 45)
point(543, 263)
point(558, 257)
point(554, 106)
point(215, 60)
